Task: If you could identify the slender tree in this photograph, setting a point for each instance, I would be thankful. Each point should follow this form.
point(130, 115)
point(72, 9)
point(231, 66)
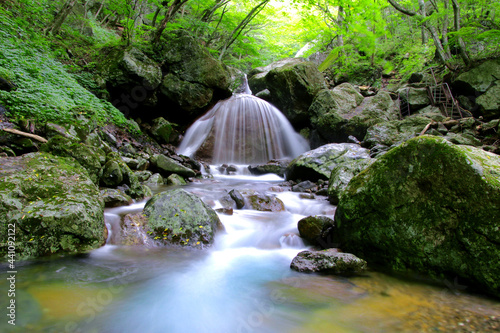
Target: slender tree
point(60, 17)
point(172, 9)
point(233, 36)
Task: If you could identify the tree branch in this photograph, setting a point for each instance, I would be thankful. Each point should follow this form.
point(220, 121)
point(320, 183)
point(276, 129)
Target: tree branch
point(29, 135)
point(402, 9)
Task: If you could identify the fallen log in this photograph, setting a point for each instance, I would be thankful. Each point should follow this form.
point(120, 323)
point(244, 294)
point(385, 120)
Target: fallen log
point(28, 135)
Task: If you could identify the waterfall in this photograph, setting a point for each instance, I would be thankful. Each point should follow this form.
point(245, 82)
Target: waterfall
point(242, 129)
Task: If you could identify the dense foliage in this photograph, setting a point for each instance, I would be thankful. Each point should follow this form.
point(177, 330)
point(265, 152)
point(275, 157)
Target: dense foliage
point(345, 37)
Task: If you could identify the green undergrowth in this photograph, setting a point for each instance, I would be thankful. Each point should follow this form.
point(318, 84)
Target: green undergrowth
point(45, 91)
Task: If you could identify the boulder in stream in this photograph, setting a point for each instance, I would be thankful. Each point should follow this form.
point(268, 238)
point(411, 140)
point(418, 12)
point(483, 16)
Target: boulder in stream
point(328, 261)
point(51, 206)
point(178, 217)
point(311, 228)
point(319, 163)
point(429, 206)
point(263, 202)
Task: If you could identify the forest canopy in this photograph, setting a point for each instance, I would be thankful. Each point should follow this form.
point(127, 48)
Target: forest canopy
point(341, 35)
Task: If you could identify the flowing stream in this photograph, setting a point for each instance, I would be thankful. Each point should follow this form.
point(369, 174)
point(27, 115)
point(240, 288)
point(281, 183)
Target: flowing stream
point(242, 284)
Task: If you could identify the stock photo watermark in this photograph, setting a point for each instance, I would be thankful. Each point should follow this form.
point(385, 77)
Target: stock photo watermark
point(11, 273)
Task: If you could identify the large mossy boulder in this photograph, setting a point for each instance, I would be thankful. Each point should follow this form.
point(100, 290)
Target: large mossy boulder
point(319, 163)
point(292, 84)
point(181, 218)
point(416, 98)
point(131, 76)
point(489, 102)
point(167, 166)
point(478, 88)
point(381, 137)
point(342, 112)
point(479, 79)
point(341, 176)
point(51, 203)
point(427, 206)
point(194, 76)
point(89, 157)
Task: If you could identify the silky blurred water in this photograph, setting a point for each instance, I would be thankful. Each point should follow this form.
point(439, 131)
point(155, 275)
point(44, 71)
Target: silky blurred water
point(242, 284)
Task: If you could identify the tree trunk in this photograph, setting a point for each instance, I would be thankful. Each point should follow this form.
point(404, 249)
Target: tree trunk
point(423, 12)
point(157, 12)
point(99, 10)
point(237, 31)
point(446, 43)
point(171, 11)
point(461, 44)
point(340, 23)
point(432, 30)
point(61, 17)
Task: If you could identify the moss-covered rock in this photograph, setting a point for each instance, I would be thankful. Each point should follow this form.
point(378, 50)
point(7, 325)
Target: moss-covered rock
point(162, 130)
point(168, 166)
point(156, 179)
point(130, 68)
point(341, 176)
point(489, 102)
point(89, 157)
point(117, 173)
point(175, 180)
point(51, 203)
point(417, 98)
point(115, 198)
point(382, 136)
point(342, 112)
point(181, 218)
point(191, 96)
point(293, 86)
point(429, 206)
point(312, 227)
point(193, 77)
point(479, 79)
point(319, 163)
point(328, 261)
point(263, 202)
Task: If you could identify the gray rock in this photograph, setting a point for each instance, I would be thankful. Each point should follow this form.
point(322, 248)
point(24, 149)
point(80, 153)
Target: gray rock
point(238, 198)
point(263, 202)
point(305, 186)
point(277, 167)
point(53, 203)
point(115, 197)
point(293, 84)
point(328, 261)
point(181, 218)
point(175, 180)
point(311, 228)
point(428, 206)
point(168, 166)
point(319, 163)
point(342, 175)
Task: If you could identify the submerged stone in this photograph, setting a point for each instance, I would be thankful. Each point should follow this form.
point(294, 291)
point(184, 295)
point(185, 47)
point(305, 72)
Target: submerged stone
point(428, 206)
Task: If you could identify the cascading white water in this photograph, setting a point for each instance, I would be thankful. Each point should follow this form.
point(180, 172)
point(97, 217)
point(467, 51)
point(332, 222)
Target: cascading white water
point(242, 129)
